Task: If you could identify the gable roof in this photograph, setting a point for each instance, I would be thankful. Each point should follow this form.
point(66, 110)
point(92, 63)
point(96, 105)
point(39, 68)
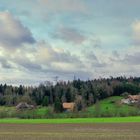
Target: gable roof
point(68, 105)
point(24, 105)
point(134, 97)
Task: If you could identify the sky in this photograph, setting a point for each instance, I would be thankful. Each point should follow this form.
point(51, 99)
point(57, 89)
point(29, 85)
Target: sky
point(88, 39)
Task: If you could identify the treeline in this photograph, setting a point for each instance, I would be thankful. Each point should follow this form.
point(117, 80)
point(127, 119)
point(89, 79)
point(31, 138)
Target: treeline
point(83, 93)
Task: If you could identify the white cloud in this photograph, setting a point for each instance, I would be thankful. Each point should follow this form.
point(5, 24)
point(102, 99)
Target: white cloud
point(42, 61)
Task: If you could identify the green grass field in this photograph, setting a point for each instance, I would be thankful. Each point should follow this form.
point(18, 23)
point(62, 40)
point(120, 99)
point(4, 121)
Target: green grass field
point(71, 121)
point(94, 125)
point(110, 107)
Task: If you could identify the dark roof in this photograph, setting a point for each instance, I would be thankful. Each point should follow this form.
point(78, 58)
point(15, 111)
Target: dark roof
point(24, 105)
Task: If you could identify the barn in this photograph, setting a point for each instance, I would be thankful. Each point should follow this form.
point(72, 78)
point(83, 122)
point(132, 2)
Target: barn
point(69, 106)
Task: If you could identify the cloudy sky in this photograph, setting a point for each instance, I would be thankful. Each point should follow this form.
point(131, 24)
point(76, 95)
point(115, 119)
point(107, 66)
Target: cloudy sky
point(41, 39)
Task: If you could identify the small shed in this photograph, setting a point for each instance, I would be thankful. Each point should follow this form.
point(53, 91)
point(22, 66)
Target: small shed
point(24, 105)
point(68, 106)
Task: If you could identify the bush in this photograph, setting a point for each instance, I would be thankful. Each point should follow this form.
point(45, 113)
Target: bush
point(26, 114)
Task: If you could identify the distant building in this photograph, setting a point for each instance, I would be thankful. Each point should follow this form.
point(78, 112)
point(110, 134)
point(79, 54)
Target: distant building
point(125, 101)
point(134, 98)
point(24, 105)
point(68, 106)
point(131, 99)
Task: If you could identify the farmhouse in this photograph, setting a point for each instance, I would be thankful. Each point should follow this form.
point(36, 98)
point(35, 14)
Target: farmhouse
point(68, 106)
point(134, 98)
point(24, 105)
point(126, 101)
point(131, 99)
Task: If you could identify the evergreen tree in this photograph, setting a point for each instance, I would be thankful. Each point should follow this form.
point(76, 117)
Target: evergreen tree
point(45, 101)
point(58, 106)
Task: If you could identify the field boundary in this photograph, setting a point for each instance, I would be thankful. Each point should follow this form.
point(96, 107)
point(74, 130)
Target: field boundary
point(71, 120)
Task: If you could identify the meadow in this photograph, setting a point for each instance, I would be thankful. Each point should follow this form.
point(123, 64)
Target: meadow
point(68, 126)
point(71, 121)
point(109, 107)
point(112, 107)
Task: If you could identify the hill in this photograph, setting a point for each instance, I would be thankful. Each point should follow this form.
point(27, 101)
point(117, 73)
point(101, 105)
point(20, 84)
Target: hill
point(109, 107)
point(112, 106)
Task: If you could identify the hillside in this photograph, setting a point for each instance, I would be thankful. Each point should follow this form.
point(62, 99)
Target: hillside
point(112, 107)
point(82, 93)
point(109, 107)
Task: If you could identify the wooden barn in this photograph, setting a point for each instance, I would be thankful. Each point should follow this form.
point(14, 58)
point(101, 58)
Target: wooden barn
point(68, 106)
point(134, 98)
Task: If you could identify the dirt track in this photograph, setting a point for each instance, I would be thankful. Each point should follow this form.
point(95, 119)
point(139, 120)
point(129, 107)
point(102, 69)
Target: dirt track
point(125, 131)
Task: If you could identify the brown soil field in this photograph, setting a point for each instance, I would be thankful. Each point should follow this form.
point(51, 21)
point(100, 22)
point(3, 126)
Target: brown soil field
point(118, 131)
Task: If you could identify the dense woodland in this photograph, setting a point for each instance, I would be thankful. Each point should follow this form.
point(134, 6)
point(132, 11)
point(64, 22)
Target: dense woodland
point(83, 93)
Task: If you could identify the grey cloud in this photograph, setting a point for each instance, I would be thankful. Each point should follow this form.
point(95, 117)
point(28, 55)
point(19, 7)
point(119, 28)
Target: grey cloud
point(31, 66)
point(116, 54)
point(91, 56)
point(5, 64)
point(128, 60)
point(99, 64)
point(59, 62)
point(69, 75)
point(12, 32)
point(65, 57)
point(69, 35)
point(96, 42)
point(94, 61)
point(115, 57)
point(64, 5)
point(136, 33)
point(133, 59)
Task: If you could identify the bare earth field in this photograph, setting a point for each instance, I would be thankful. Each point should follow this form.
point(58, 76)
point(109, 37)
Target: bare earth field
point(118, 131)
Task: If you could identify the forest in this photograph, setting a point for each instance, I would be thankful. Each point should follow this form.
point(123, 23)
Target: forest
point(82, 93)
